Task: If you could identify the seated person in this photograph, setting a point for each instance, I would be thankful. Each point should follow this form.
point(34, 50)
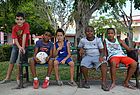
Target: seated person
point(62, 51)
point(92, 51)
point(42, 45)
point(115, 56)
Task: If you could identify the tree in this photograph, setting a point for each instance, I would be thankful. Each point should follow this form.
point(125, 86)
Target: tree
point(38, 21)
point(61, 13)
point(102, 23)
point(35, 16)
point(8, 9)
point(119, 13)
point(83, 10)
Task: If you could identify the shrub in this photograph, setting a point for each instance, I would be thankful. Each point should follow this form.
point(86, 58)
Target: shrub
point(5, 52)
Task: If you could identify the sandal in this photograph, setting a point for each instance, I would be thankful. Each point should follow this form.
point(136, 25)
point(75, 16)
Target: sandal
point(72, 83)
point(5, 81)
point(105, 87)
point(129, 86)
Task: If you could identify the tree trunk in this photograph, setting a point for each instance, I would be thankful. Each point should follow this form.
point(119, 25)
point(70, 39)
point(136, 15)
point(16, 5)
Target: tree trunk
point(82, 14)
point(130, 32)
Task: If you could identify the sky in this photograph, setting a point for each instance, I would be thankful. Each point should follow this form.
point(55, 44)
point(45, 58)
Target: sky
point(126, 9)
point(134, 11)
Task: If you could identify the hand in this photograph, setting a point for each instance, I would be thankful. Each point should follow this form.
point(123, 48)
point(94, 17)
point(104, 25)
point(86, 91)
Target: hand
point(47, 59)
point(81, 52)
point(63, 61)
point(101, 59)
point(21, 50)
point(59, 48)
point(37, 60)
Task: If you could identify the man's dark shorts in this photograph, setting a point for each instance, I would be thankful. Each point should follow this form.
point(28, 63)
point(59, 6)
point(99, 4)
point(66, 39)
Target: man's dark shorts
point(15, 57)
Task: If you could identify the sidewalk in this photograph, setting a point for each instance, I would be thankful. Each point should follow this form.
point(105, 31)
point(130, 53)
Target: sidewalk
point(5, 89)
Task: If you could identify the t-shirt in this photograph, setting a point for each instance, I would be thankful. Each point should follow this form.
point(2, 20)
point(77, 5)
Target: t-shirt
point(17, 32)
point(114, 48)
point(44, 47)
point(63, 52)
point(91, 47)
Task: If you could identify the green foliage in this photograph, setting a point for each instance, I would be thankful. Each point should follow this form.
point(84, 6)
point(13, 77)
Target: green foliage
point(137, 4)
point(102, 23)
point(5, 52)
point(37, 24)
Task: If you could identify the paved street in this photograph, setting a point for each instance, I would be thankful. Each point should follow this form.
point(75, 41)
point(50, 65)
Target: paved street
point(5, 89)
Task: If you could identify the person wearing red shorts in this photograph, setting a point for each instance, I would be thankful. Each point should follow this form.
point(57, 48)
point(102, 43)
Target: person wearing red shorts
point(115, 56)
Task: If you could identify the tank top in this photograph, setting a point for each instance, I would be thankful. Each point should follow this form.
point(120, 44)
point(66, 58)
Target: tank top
point(63, 52)
point(114, 49)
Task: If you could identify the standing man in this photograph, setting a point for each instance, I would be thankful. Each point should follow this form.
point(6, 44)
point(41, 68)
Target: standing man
point(20, 36)
point(92, 51)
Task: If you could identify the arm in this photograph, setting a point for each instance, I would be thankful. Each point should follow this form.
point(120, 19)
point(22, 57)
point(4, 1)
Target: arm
point(55, 51)
point(23, 42)
point(101, 58)
point(35, 53)
point(81, 52)
point(105, 49)
point(124, 45)
point(18, 45)
point(50, 55)
point(26, 32)
point(81, 49)
point(15, 38)
point(69, 53)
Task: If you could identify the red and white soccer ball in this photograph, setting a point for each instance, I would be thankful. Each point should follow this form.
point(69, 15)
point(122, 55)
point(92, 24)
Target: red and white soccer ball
point(42, 57)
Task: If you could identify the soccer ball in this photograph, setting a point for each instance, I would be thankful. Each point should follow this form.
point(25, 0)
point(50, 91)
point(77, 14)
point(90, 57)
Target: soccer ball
point(41, 56)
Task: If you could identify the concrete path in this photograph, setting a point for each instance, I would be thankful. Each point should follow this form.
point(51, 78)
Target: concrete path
point(5, 89)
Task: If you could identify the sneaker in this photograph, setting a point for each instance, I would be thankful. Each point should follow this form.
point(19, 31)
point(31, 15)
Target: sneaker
point(60, 83)
point(18, 82)
point(72, 83)
point(5, 81)
point(45, 83)
point(86, 85)
point(104, 87)
point(36, 84)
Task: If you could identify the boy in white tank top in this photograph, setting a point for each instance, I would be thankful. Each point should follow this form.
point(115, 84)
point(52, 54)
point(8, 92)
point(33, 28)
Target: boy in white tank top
point(115, 56)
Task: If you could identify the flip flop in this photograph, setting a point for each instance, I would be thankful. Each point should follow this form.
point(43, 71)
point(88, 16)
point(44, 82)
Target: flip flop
point(112, 86)
point(105, 87)
point(130, 86)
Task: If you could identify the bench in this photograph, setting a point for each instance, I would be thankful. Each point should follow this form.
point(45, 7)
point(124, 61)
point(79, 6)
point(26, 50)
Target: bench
point(26, 65)
point(133, 54)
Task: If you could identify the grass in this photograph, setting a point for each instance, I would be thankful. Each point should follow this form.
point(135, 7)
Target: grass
point(63, 71)
point(41, 72)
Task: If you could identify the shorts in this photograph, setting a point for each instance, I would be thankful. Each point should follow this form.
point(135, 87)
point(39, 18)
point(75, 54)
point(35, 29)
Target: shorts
point(121, 59)
point(91, 62)
point(59, 59)
point(45, 63)
point(15, 57)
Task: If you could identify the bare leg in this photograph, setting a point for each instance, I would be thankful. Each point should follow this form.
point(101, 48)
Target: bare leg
point(130, 72)
point(9, 71)
point(113, 74)
point(32, 67)
point(104, 72)
point(85, 73)
point(50, 67)
point(71, 70)
point(18, 72)
point(56, 69)
point(104, 77)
